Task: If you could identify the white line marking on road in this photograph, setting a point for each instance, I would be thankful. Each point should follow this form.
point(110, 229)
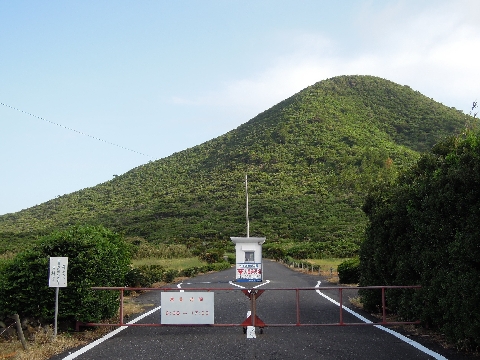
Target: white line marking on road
point(240, 286)
point(394, 333)
point(265, 283)
point(243, 287)
point(108, 336)
point(121, 328)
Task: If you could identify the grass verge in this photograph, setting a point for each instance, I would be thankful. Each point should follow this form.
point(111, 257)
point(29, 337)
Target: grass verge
point(176, 264)
point(42, 345)
point(327, 268)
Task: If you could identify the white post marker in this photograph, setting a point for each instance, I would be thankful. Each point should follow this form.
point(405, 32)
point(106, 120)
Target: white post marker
point(57, 278)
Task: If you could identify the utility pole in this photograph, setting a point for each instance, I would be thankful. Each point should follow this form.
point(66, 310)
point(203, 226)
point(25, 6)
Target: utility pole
point(246, 193)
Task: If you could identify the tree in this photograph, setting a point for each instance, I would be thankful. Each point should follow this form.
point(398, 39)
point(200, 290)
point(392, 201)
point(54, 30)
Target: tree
point(424, 230)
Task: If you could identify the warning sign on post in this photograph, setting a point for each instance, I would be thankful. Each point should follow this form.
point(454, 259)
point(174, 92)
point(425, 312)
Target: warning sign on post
point(187, 308)
point(249, 272)
point(58, 272)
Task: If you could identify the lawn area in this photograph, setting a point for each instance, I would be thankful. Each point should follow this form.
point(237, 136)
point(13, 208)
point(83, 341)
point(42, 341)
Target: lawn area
point(327, 265)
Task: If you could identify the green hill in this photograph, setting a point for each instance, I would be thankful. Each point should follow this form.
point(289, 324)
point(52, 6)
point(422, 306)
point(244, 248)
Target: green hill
point(310, 161)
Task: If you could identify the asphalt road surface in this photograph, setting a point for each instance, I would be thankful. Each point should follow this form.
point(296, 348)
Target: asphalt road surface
point(276, 342)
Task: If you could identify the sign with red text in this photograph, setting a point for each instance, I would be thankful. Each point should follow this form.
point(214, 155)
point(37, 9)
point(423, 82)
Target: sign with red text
point(249, 272)
point(187, 307)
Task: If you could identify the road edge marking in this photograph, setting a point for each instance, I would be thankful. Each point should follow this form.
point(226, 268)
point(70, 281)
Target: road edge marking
point(108, 336)
point(243, 287)
point(411, 342)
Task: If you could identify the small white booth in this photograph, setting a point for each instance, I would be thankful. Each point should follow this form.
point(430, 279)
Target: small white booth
point(248, 251)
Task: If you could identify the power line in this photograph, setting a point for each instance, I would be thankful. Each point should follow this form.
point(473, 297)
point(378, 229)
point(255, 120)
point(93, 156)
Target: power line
point(78, 132)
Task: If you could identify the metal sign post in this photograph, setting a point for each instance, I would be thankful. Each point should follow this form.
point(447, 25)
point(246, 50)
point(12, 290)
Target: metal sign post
point(248, 252)
point(57, 279)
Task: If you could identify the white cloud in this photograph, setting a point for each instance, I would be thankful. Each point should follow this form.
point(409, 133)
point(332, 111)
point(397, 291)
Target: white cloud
point(434, 50)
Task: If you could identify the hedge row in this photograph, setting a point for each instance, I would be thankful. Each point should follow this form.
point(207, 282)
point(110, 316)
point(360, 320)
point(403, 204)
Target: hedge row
point(349, 271)
point(96, 257)
point(312, 250)
point(424, 229)
point(147, 275)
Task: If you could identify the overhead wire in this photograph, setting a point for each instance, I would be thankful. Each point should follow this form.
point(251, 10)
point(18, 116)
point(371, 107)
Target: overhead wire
point(71, 129)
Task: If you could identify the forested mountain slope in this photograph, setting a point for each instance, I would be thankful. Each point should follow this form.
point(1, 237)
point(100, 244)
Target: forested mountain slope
point(310, 161)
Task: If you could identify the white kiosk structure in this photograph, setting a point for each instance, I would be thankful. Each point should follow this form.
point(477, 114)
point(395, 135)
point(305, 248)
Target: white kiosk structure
point(248, 253)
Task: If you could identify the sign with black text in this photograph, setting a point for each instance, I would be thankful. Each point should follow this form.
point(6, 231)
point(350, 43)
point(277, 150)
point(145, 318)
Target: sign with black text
point(58, 272)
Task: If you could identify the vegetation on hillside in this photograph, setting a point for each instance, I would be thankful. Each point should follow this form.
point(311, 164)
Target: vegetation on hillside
point(424, 230)
point(310, 159)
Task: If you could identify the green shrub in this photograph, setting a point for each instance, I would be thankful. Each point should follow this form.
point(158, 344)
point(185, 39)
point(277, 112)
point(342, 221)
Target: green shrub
point(189, 272)
point(232, 259)
point(349, 271)
point(170, 275)
point(212, 256)
point(423, 230)
point(96, 257)
point(149, 274)
point(219, 266)
point(310, 250)
point(135, 278)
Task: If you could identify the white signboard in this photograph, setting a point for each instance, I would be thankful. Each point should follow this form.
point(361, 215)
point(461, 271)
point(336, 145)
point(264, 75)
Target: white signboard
point(58, 272)
point(249, 272)
point(187, 307)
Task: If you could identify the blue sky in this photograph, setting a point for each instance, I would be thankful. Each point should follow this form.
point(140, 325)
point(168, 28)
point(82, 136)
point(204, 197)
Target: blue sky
point(158, 77)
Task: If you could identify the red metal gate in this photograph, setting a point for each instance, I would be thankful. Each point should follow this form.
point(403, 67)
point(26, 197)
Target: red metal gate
point(253, 294)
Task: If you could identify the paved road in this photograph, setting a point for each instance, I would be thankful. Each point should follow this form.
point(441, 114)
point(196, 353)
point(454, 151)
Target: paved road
point(273, 307)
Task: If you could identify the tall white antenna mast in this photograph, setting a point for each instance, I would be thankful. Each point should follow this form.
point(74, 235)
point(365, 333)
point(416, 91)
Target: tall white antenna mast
point(246, 192)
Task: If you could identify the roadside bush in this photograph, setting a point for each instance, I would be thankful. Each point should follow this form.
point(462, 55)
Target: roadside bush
point(96, 257)
point(135, 278)
point(170, 275)
point(212, 256)
point(274, 251)
point(423, 230)
point(231, 259)
point(218, 266)
point(145, 275)
point(190, 272)
point(310, 249)
point(349, 271)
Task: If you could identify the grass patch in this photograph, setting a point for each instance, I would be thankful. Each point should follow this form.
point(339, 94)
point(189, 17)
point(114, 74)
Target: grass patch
point(42, 346)
point(176, 264)
point(328, 266)
point(356, 301)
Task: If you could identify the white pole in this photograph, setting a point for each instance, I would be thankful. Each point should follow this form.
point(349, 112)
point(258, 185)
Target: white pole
point(246, 192)
point(56, 311)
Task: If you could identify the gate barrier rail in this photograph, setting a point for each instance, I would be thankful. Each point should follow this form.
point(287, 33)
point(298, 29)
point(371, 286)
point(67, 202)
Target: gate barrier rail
point(253, 319)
